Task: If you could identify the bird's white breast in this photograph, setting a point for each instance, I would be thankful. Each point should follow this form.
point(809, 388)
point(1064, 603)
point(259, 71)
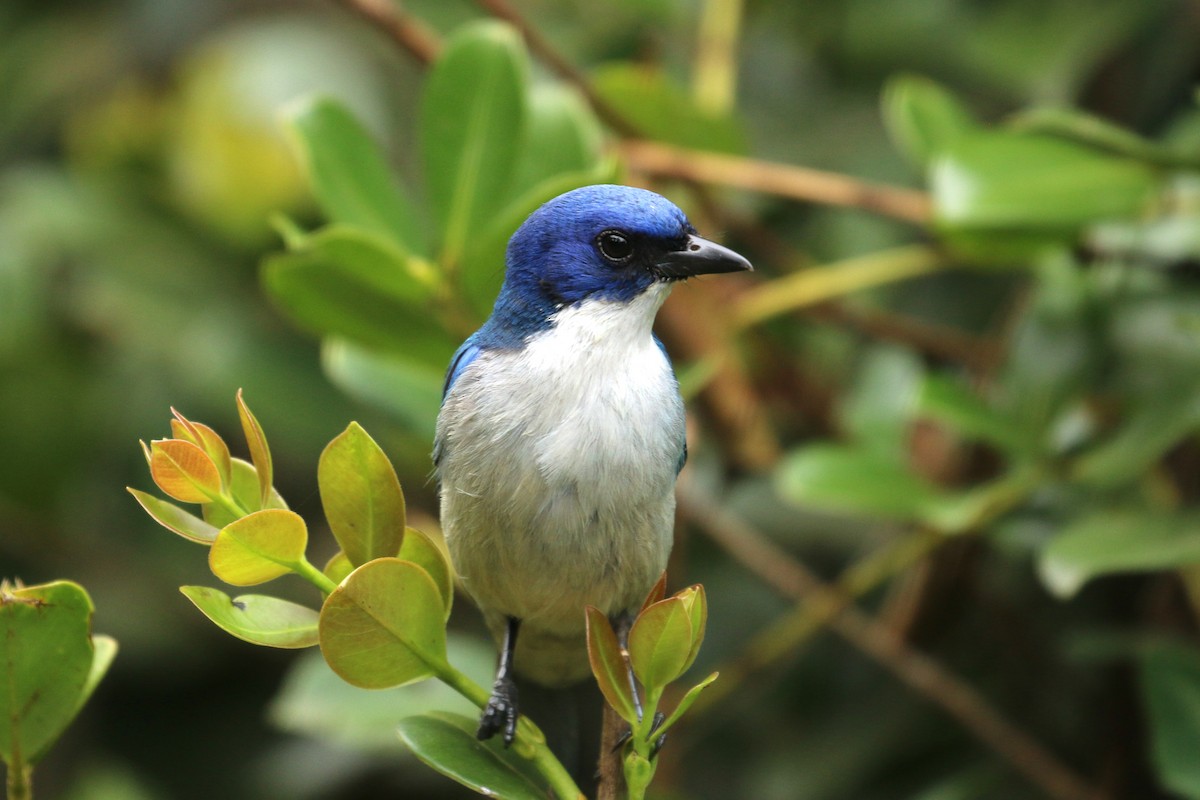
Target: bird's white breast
point(559, 463)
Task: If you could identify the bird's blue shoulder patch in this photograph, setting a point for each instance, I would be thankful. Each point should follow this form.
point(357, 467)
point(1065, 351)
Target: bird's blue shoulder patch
point(467, 352)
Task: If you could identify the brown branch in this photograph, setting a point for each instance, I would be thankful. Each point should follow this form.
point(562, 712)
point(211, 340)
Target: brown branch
point(541, 47)
point(785, 180)
point(920, 672)
point(410, 33)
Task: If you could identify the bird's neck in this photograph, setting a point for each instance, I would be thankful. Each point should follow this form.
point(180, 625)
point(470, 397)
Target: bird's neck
point(517, 319)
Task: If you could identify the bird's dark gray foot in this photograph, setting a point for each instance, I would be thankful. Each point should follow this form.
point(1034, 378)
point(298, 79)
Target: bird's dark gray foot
point(501, 712)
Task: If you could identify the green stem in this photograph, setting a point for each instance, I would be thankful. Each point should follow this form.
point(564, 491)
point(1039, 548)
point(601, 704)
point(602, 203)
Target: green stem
point(20, 781)
point(314, 576)
point(530, 738)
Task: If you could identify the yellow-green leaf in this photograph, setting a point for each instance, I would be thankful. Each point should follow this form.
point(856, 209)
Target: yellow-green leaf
point(174, 518)
point(260, 453)
point(258, 547)
point(255, 618)
point(361, 494)
point(422, 551)
point(660, 642)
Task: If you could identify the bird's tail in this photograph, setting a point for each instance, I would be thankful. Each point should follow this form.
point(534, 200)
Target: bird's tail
point(571, 718)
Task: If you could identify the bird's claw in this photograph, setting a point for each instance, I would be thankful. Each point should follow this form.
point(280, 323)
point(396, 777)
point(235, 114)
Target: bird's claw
point(501, 712)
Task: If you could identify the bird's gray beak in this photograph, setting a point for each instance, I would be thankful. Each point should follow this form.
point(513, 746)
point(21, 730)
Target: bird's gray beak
point(700, 257)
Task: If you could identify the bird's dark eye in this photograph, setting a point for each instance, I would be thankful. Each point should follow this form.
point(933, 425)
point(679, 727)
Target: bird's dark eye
point(615, 246)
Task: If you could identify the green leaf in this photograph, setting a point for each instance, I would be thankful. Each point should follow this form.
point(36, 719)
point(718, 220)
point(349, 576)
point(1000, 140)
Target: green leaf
point(447, 744)
point(361, 495)
point(1155, 425)
point(256, 618)
point(184, 471)
point(608, 665)
point(561, 136)
point(660, 643)
point(46, 666)
point(483, 262)
point(1002, 182)
point(663, 110)
point(854, 481)
point(245, 488)
point(1124, 541)
point(421, 550)
point(877, 413)
point(350, 177)
point(383, 626)
point(685, 703)
point(471, 121)
point(338, 567)
point(1088, 129)
point(104, 651)
point(260, 453)
point(949, 402)
point(259, 547)
point(352, 283)
point(923, 118)
point(174, 518)
point(1170, 686)
point(408, 389)
point(695, 601)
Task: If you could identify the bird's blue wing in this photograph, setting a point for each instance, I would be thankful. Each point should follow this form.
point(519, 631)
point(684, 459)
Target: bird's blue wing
point(466, 353)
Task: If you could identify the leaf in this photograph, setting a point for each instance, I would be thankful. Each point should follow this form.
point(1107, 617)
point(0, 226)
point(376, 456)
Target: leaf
point(946, 400)
point(349, 176)
point(877, 413)
point(1155, 424)
point(45, 666)
point(662, 110)
point(922, 117)
point(409, 390)
point(1123, 541)
point(1170, 686)
point(361, 495)
point(256, 618)
point(695, 601)
point(383, 626)
point(1001, 182)
point(853, 481)
point(260, 453)
point(660, 642)
point(657, 592)
point(608, 665)
point(561, 136)
point(104, 651)
point(421, 550)
point(685, 703)
point(184, 471)
point(471, 120)
point(259, 547)
point(338, 567)
point(353, 283)
point(1089, 129)
point(209, 440)
point(175, 519)
point(445, 742)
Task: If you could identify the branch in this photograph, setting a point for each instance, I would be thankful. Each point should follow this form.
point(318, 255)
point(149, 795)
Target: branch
point(785, 180)
point(410, 33)
point(825, 604)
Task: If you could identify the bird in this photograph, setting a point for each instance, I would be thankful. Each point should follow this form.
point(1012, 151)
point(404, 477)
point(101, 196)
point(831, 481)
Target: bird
point(561, 431)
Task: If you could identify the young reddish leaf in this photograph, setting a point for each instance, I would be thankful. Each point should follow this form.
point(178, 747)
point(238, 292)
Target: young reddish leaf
point(338, 567)
point(362, 497)
point(260, 453)
point(258, 547)
point(608, 665)
point(422, 551)
point(174, 518)
point(256, 618)
point(657, 592)
point(184, 471)
point(209, 440)
point(383, 625)
point(660, 642)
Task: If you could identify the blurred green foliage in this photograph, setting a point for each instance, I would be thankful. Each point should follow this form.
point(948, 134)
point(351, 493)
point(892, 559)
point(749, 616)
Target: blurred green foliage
point(991, 442)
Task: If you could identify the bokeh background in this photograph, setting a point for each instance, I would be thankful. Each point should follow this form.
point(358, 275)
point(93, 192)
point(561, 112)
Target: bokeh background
point(143, 158)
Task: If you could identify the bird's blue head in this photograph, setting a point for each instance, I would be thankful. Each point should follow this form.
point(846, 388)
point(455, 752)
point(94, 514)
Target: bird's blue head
point(603, 243)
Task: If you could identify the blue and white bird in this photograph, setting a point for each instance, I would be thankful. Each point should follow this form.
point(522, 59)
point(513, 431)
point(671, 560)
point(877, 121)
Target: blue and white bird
point(561, 430)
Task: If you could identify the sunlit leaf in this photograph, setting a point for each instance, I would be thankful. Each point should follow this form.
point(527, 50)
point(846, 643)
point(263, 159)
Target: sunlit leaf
point(174, 518)
point(695, 602)
point(349, 176)
point(471, 120)
point(361, 495)
point(209, 440)
point(258, 619)
point(421, 550)
point(259, 547)
point(608, 665)
point(660, 642)
point(446, 743)
point(260, 453)
point(338, 567)
point(383, 626)
point(1112, 542)
point(244, 486)
point(184, 471)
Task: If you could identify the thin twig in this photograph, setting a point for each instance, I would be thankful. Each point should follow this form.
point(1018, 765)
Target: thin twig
point(413, 35)
point(834, 607)
point(785, 180)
